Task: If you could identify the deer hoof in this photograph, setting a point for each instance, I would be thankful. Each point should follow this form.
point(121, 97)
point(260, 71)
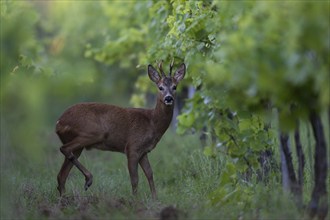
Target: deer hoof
point(61, 190)
point(88, 182)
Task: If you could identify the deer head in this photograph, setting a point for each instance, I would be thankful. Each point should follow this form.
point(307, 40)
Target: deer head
point(166, 84)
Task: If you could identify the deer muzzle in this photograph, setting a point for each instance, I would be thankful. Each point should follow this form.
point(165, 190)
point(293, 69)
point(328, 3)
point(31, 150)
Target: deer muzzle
point(168, 100)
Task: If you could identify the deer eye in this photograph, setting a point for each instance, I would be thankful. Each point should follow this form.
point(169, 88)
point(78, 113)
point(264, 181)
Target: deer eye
point(161, 88)
point(174, 87)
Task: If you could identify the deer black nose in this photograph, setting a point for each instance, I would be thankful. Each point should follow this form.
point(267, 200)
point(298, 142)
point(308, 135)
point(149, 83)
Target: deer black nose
point(168, 100)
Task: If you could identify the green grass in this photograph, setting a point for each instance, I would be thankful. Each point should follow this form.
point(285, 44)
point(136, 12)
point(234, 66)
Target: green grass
point(185, 180)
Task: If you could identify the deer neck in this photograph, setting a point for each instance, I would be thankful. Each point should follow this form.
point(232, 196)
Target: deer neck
point(162, 116)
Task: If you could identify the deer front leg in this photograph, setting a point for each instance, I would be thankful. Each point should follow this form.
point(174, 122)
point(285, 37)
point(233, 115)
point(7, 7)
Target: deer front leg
point(145, 165)
point(133, 160)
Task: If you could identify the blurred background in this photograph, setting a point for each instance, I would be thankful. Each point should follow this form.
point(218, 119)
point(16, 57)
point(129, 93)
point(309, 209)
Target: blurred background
point(48, 64)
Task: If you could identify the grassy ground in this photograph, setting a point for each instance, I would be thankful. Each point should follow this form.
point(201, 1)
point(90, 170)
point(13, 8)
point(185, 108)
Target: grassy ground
point(184, 179)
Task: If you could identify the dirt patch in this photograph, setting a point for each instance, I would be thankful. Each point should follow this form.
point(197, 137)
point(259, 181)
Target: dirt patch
point(78, 201)
point(117, 203)
point(47, 210)
point(171, 213)
point(94, 207)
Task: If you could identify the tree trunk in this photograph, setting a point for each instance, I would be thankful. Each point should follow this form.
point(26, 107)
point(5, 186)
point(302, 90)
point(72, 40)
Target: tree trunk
point(319, 201)
point(284, 139)
point(301, 165)
point(285, 174)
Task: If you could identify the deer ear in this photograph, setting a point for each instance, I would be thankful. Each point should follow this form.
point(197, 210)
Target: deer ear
point(180, 72)
point(153, 74)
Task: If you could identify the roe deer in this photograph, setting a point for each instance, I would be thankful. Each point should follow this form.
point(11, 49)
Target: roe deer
point(132, 131)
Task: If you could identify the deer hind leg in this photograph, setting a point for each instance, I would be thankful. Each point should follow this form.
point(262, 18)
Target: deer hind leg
point(64, 172)
point(68, 150)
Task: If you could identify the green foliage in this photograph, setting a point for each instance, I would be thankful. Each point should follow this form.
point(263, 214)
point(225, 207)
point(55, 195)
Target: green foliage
point(271, 43)
point(245, 59)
